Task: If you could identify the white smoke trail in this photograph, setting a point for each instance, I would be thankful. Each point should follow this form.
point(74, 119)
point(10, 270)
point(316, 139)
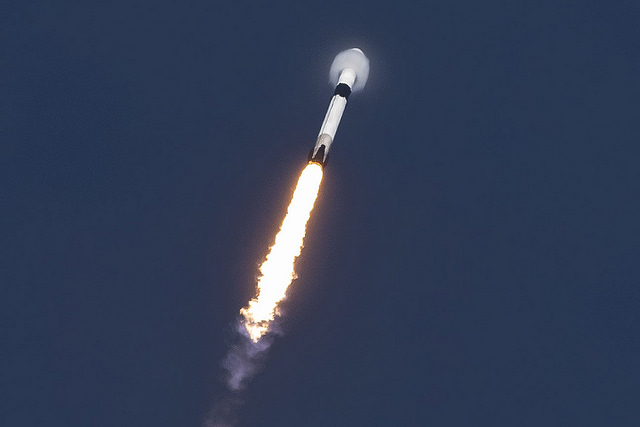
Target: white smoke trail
point(242, 362)
point(243, 359)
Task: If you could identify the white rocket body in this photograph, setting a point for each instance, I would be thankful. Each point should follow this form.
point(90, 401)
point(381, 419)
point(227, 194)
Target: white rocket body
point(350, 69)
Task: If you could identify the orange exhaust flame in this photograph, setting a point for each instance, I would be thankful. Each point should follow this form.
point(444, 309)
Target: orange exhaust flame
point(277, 270)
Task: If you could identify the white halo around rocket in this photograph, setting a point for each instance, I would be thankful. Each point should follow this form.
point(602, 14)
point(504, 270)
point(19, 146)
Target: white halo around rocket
point(354, 59)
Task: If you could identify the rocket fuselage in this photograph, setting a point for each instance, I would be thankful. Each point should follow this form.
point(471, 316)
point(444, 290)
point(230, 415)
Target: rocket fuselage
point(320, 151)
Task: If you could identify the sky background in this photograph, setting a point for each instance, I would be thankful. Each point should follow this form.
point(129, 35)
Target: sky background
point(473, 257)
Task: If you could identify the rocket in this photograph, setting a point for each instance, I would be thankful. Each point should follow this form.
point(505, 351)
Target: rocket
point(349, 72)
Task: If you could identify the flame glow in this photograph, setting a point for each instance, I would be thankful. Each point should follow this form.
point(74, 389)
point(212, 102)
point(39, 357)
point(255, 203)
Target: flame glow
point(277, 271)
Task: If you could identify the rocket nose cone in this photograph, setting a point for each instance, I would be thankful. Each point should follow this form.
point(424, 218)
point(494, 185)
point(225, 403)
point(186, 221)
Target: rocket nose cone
point(352, 58)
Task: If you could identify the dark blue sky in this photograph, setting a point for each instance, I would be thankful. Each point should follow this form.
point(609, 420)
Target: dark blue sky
point(473, 258)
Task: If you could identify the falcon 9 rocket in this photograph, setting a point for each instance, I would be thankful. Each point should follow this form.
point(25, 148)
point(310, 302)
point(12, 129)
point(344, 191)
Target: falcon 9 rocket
point(349, 72)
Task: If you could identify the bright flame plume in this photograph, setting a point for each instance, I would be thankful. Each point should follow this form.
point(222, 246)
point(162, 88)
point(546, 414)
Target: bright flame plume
point(277, 271)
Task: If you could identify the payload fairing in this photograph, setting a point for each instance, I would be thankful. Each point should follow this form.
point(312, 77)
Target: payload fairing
point(349, 72)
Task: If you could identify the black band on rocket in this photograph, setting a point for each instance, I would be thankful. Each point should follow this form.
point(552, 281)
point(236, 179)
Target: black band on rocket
point(343, 90)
